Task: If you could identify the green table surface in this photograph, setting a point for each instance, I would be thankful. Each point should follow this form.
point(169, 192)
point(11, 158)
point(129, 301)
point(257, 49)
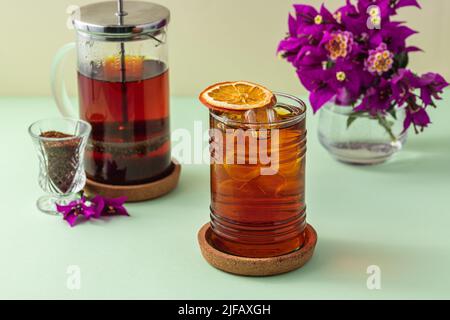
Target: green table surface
point(395, 216)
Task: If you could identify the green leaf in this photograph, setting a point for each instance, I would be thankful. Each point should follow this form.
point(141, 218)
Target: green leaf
point(393, 113)
point(402, 60)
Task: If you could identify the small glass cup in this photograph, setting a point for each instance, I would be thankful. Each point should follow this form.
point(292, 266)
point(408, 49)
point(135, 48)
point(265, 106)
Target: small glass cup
point(258, 179)
point(60, 145)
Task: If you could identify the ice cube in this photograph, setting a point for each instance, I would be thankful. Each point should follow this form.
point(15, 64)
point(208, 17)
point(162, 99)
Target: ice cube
point(242, 173)
point(271, 115)
point(234, 188)
point(233, 116)
point(250, 116)
point(290, 188)
point(261, 115)
point(282, 112)
point(257, 116)
point(269, 185)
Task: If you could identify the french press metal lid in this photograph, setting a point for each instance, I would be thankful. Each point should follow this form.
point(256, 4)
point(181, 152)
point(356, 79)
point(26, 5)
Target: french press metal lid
point(120, 20)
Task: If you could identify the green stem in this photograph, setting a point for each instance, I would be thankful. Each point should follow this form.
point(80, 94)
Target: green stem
point(382, 121)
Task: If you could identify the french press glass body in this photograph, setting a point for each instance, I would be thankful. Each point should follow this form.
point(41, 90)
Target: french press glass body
point(123, 86)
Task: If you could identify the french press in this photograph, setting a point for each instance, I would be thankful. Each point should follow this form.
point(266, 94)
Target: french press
point(123, 85)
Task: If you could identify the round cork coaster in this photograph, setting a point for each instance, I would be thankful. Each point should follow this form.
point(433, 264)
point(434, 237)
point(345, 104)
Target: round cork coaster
point(136, 193)
point(257, 267)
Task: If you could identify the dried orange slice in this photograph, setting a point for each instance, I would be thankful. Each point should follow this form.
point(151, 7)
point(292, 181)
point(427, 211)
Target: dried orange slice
point(238, 95)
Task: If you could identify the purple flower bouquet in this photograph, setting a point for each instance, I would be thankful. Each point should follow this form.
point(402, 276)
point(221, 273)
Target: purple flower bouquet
point(358, 57)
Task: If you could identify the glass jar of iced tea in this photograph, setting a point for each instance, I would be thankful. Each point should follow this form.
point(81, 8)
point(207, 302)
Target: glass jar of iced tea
point(258, 179)
point(123, 85)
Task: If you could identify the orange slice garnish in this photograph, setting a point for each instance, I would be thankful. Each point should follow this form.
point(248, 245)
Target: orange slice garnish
point(238, 95)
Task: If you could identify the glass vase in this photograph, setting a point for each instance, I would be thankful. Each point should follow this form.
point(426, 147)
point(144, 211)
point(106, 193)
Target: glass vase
point(365, 141)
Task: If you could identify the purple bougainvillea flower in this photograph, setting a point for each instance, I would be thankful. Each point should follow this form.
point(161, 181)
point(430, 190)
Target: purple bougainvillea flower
point(358, 56)
point(305, 29)
point(418, 117)
point(321, 96)
point(291, 46)
point(109, 207)
point(340, 82)
point(394, 35)
point(311, 21)
point(378, 99)
point(292, 42)
point(315, 80)
point(76, 209)
point(346, 11)
point(404, 3)
point(343, 75)
point(114, 207)
point(98, 203)
point(349, 19)
point(403, 85)
point(308, 20)
point(311, 57)
point(431, 85)
point(94, 208)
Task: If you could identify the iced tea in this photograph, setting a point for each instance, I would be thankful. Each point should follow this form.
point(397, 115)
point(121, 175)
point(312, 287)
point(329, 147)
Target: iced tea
point(258, 206)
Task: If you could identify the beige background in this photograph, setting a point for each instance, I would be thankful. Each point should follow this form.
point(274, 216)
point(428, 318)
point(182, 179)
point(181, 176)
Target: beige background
point(210, 40)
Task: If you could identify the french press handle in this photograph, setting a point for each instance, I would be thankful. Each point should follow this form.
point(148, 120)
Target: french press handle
point(58, 84)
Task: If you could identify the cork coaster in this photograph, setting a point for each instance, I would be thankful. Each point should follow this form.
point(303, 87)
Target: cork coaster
point(140, 192)
point(257, 267)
